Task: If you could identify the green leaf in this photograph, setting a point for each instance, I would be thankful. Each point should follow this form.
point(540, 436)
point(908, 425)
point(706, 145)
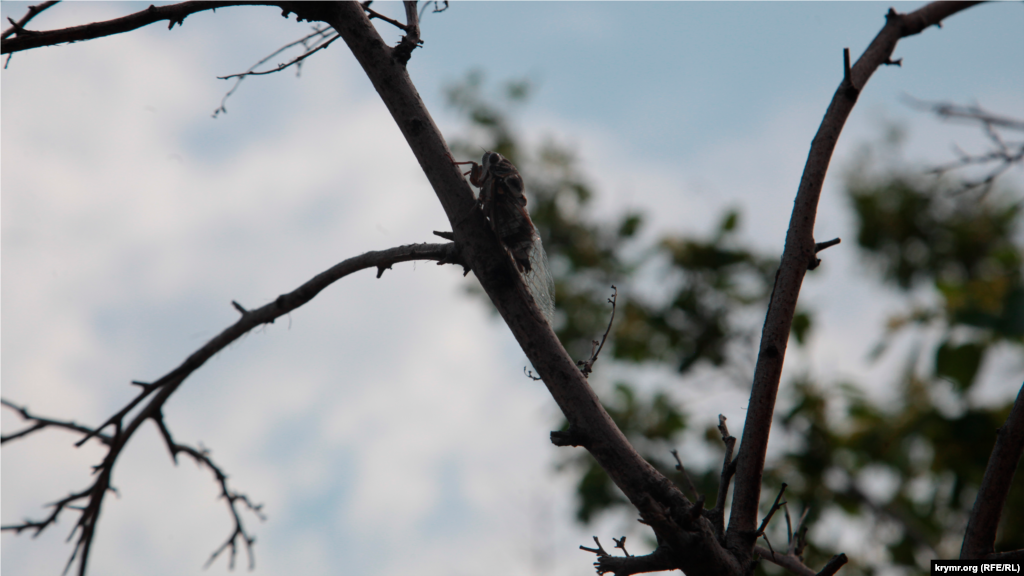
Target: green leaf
point(959, 363)
point(801, 326)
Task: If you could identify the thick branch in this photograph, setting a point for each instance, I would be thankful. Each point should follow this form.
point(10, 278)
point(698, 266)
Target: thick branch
point(654, 495)
point(980, 538)
point(799, 251)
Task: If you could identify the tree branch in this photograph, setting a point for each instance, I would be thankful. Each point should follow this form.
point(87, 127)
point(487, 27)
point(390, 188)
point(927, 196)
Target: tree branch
point(728, 469)
point(174, 13)
point(799, 251)
point(657, 561)
point(19, 26)
point(41, 423)
point(587, 366)
point(980, 537)
point(169, 383)
point(696, 549)
point(326, 38)
point(788, 561)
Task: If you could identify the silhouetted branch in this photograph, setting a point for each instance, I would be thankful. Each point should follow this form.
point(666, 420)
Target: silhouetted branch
point(324, 38)
point(771, 512)
point(980, 537)
point(788, 561)
point(173, 13)
point(41, 423)
point(19, 26)
point(799, 251)
point(1012, 556)
point(586, 367)
point(728, 469)
point(660, 559)
point(162, 389)
point(833, 565)
point(686, 477)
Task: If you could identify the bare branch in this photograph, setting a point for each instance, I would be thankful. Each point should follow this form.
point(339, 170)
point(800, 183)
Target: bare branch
point(796, 566)
point(586, 367)
point(686, 477)
point(324, 37)
point(728, 469)
point(980, 537)
point(169, 383)
point(833, 565)
point(656, 561)
point(371, 13)
point(41, 423)
point(19, 26)
point(799, 251)
point(297, 60)
point(771, 512)
point(1012, 556)
point(173, 13)
point(787, 561)
point(411, 40)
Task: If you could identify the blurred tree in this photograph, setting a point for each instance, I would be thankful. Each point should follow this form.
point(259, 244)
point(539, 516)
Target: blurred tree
point(956, 247)
point(916, 231)
point(709, 286)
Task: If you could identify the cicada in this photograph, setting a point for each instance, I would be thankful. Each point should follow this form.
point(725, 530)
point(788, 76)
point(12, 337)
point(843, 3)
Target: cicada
point(503, 201)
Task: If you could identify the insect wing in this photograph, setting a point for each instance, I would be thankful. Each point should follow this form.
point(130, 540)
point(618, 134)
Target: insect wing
point(503, 202)
point(539, 280)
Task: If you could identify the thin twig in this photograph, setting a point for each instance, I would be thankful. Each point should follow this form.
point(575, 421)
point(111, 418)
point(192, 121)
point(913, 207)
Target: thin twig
point(771, 512)
point(41, 423)
point(374, 14)
point(686, 477)
point(787, 561)
point(728, 469)
point(325, 36)
point(586, 367)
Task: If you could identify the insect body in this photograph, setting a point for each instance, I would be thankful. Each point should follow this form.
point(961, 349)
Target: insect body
point(503, 201)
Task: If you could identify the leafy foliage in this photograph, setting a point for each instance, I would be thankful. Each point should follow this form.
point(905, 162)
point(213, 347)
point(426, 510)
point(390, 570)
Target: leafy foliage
point(933, 443)
point(919, 234)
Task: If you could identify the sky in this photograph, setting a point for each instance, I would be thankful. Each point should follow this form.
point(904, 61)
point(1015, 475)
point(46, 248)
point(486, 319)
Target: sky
point(387, 426)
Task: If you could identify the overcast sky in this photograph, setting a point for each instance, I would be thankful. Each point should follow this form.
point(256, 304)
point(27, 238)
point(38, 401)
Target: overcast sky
point(387, 426)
